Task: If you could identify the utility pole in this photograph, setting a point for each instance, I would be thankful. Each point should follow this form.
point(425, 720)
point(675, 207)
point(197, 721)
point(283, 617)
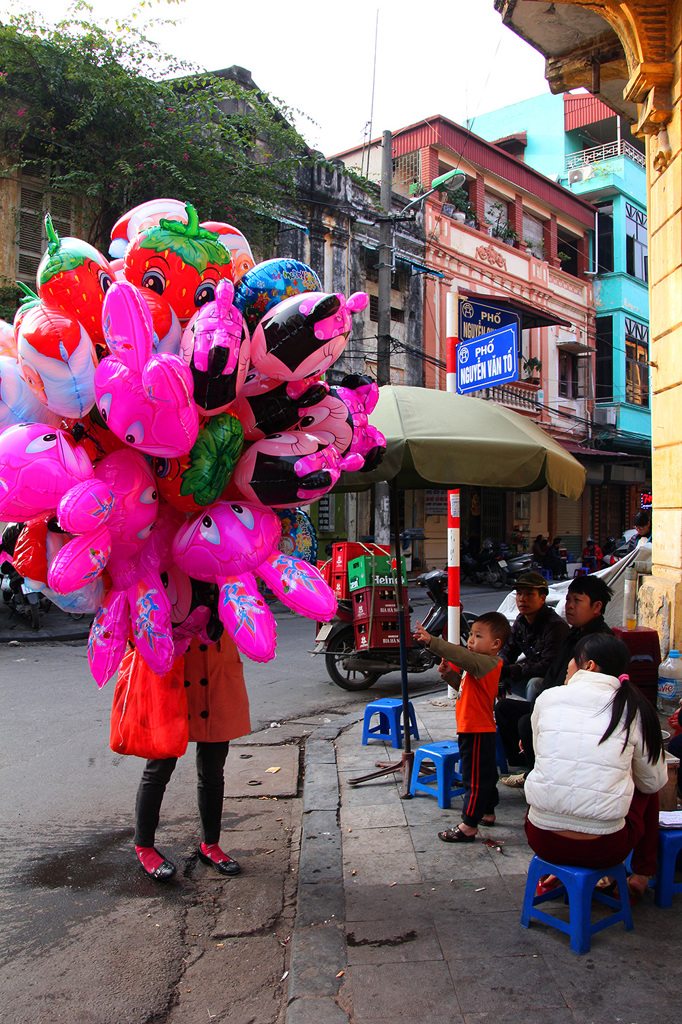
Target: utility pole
point(382, 526)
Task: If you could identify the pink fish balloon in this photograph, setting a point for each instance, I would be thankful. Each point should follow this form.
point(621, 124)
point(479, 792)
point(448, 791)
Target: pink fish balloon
point(231, 543)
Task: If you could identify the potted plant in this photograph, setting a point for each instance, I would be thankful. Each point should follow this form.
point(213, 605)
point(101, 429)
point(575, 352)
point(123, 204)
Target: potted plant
point(499, 226)
point(463, 209)
point(532, 369)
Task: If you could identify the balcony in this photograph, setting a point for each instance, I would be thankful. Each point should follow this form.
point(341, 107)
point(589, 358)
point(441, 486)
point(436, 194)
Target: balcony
point(517, 394)
point(598, 154)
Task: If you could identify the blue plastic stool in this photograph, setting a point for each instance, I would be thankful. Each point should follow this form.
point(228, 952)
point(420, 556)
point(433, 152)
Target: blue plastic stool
point(578, 890)
point(500, 756)
point(547, 573)
point(664, 885)
point(390, 711)
point(445, 757)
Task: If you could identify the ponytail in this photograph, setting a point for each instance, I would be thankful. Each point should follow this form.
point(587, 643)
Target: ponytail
point(628, 702)
point(613, 659)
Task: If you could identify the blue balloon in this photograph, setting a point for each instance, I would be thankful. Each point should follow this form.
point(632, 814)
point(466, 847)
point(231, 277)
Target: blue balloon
point(268, 283)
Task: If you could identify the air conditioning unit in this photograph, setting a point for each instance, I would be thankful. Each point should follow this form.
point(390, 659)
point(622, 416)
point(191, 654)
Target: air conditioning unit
point(578, 174)
point(606, 415)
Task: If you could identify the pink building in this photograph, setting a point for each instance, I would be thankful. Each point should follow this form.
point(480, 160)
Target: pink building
point(519, 240)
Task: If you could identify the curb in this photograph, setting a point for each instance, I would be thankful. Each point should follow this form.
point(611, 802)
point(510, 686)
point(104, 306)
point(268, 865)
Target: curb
point(41, 636)
point(318, 947)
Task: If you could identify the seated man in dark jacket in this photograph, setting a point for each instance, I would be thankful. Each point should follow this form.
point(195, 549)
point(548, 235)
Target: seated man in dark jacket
point(586, 601)
point(537, 634)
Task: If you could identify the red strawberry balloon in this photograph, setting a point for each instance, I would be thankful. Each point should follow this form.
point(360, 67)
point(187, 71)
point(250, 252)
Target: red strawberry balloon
point(182, 262)
point(73, 277)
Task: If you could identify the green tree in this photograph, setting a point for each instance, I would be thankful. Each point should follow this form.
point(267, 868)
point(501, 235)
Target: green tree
point(102, 113)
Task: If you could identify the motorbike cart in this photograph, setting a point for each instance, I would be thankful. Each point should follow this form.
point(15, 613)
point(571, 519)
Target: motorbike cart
point(361, 643)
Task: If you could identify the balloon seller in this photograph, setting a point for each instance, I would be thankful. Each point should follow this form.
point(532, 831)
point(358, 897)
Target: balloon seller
point(157, 409)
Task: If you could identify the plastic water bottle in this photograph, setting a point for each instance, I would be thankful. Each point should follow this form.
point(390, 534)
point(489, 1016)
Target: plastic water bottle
point(670, 683)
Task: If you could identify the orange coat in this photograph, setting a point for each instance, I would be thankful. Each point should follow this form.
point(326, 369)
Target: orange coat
point(216, 695)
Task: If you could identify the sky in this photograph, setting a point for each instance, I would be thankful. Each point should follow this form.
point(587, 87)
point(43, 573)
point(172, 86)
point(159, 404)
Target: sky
point(454, 58)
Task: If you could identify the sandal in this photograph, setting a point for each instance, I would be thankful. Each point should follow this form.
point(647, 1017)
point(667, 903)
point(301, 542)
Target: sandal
point(455, 835)
point(547, 883)
point(487, 824)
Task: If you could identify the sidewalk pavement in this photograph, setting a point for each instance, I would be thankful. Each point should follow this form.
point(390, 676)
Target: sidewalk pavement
point(394, 925)
point(54, 625)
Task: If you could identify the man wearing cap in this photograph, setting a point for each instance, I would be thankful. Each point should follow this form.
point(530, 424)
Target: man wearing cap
point(586, 601)
point(537, 633)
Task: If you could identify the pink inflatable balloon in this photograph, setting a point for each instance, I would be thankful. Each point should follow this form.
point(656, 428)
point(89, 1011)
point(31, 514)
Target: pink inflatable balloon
point(230, 543)
point(341, 419)
point(137, 601)
point(38, 465)
point(144, 399)
point(304, 334)
point(216, 347)
point(285, 469)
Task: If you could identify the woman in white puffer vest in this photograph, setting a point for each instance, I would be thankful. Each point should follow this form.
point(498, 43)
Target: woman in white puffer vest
point(599, 764)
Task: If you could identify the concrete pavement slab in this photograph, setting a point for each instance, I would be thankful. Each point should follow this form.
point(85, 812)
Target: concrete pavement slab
point(248, 770)
point(382, 816)
point(559, 1015)
point(389, 992)
point(481, 936)
point(380, 855)
point(495, 983)
point(321, 790)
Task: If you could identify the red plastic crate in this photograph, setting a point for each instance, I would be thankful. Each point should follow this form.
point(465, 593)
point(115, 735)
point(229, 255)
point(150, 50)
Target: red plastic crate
point(343, 553)
point(384, 603)
point(325, 569)
point(339, 584)
point(383, 632)
point(645, 657)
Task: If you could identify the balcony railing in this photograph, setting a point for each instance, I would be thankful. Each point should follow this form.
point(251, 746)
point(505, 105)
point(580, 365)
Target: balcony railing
point(605, 152)
point(518, 394)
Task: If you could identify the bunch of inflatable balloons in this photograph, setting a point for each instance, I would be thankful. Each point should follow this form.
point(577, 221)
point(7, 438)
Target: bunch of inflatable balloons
point(155, 410)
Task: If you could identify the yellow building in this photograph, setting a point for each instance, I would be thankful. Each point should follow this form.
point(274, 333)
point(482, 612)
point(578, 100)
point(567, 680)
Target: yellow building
point(629, 52)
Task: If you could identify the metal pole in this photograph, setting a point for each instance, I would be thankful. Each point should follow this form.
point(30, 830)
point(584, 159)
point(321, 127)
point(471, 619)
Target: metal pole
point(382, 531)
point(451, 311)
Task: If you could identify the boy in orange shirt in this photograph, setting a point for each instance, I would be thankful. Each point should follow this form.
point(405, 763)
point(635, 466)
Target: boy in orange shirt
point(476, 733)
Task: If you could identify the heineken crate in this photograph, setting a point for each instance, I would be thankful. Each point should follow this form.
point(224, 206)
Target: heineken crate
point(372, 571)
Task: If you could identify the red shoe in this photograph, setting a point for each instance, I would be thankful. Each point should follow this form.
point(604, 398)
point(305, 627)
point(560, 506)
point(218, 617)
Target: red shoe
point(546, 884)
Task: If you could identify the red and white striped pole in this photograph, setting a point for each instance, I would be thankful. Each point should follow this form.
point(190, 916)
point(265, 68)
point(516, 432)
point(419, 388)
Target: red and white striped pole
point(451, 317)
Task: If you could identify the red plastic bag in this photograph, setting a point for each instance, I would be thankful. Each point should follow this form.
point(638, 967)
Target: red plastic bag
point(674, 723)
point(149, 713)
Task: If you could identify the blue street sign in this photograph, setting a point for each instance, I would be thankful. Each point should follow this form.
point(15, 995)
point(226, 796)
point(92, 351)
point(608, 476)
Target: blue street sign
point(477, 318)
point(488, 360)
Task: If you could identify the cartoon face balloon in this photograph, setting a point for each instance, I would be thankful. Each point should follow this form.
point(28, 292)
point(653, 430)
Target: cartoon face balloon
point(285, 469)
point(268, 283)
point(57, 360)
point(182, 262)
point(199, 478)
point(144, 399)
point(234, 240)
point(302, 336)
point(74, 277)
point(216, 346)
point(38, 465)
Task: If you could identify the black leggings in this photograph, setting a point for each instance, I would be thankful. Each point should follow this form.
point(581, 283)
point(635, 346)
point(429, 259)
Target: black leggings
point(210, 787)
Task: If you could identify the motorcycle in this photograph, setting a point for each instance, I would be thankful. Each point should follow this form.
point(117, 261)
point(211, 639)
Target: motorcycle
point(488, 568)
point(354, 669)
point(21, 600)
point(516, 564)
